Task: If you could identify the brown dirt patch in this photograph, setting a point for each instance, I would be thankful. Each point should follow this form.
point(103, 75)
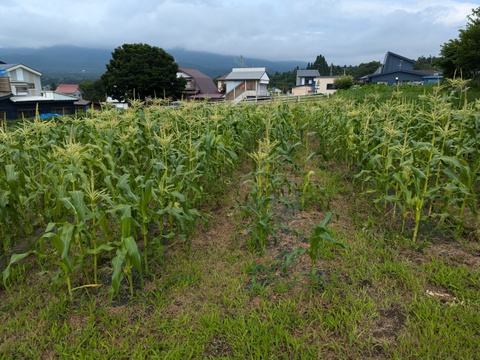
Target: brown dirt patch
point(388, 325)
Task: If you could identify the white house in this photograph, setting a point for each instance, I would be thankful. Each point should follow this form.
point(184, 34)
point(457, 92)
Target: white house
point(310, 82)
point(325, 85)
point(245, 83)
point(24, 81)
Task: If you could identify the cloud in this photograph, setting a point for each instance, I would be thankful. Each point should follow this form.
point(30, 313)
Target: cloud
point(344, 31)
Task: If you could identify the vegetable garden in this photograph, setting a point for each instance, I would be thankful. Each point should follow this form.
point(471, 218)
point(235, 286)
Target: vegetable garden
point(96, 202)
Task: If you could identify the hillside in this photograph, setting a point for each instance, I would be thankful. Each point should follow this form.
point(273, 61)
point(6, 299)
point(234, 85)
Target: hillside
point(74, 64)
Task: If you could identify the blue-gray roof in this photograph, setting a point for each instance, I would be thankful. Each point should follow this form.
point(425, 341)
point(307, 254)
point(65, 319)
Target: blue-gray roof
point(7, 66)
point(308, 73)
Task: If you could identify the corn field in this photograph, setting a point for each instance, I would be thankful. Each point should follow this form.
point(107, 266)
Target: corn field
point(110, 188)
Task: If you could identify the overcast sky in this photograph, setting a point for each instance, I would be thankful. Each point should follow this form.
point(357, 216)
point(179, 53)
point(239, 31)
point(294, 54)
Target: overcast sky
point(346, 32)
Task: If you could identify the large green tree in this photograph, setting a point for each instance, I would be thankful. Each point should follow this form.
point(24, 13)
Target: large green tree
point(321, 65)
point(140, 70)
point(462, 56)
point(93, 90)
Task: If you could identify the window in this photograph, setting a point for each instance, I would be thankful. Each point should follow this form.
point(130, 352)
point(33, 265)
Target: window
point(21, 89)
point(330, 86)
point(251, 85)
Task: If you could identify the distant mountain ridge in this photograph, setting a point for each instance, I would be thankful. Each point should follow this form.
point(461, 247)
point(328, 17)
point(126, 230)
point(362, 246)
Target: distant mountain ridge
point(73, 63)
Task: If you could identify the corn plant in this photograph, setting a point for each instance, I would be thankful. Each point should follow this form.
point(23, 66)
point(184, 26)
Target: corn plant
point(267, 188)
point(127, 254)
point(320, 234)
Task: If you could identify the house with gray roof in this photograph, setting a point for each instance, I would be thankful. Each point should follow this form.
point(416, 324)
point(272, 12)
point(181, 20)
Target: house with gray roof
point(21, 94)
point(397, 69)
point(306, 77)
point(246, 83)
point(23, 80)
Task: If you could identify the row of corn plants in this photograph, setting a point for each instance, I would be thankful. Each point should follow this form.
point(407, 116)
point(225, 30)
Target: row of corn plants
point(114, 187)
point(76, 192)
point(419, 159)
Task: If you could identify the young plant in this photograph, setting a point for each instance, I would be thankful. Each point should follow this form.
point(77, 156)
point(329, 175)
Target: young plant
point(320, 234)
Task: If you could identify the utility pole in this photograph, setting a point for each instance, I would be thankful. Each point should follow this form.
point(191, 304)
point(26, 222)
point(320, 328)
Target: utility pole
point(242, 62)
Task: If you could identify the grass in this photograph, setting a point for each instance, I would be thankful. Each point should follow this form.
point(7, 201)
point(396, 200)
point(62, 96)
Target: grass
point(382, 297)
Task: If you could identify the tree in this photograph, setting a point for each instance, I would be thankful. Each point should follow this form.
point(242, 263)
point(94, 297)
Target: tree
point(364, 69)
point(93, 91)
point(461, 56)
point(140, 70)
point(343, 82)
point(283, 81)
point(425, 63)
point(321, 65)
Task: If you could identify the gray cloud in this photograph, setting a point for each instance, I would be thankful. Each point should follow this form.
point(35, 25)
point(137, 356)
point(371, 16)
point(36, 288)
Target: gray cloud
point(344, 31)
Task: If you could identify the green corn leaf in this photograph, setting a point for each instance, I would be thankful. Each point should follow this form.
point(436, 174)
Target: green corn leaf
point(123, 184)
point(4, 198)
point(11, 176)
point(127, 221)
point(312, 154)
point(14, 259)
point(133, 252)
point(78, 200)
point(177, 195)
point(66, 236)
point(99, 249)
point(117, 276)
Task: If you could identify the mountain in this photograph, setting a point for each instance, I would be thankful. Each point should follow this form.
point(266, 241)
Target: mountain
point(74, 64)
point(215, 65)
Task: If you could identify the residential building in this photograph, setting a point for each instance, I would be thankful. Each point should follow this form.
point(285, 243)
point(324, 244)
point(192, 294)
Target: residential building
point(199, 85)
point(69, 89)
point(397, 69)
point(21, 94)
point(310, 82)
point(325, 85)
point(246, 83)
point(73, 90)
point(306, 77)
point(24, 81)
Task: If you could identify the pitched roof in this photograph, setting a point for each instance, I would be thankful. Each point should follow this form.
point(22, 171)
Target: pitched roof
point(5, 67)
point(389, 53)
point(204, 83)
point(246, 74)
point(308, 73)
point(412, 72)
point(67, 88)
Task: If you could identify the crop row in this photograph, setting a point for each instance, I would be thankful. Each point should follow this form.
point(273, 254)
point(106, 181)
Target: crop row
point(118, 185)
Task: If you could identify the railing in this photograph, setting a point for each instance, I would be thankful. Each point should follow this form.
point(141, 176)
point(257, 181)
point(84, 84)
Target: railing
point(236, 92)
